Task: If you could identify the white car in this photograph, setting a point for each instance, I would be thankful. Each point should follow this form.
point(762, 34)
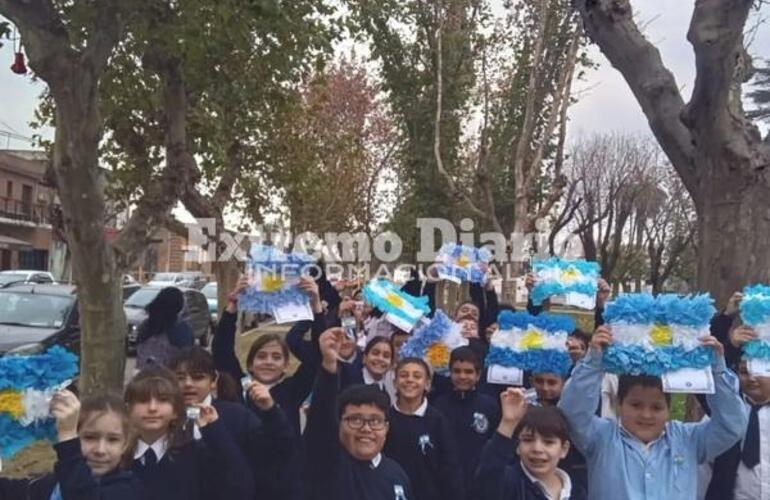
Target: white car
point(25, 276)
point(190, 279)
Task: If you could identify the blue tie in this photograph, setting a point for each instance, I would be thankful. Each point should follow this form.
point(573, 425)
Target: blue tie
point(750, 453)
point(150, 459)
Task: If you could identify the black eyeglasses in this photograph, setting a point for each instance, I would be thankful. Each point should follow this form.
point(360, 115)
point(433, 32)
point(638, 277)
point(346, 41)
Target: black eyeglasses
point(357, 423)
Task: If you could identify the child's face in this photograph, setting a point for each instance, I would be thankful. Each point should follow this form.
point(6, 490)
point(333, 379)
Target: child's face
point(269, 363)
point(379, 359)
point(548, 387)
point(576, 348)
point(464, 375)
point(756, 388)
point(467, 311)
point(153, 416)
point(644, 412)
point(541, 454)
point(470, 328)
point(195, 387)
point(366, 442)
point(411, 381)
point(103, 441)
point(399, 339)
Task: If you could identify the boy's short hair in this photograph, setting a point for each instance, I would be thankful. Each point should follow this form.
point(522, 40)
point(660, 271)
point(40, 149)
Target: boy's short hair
point(359, 395)
point(467, 354)
point(628, 382)
point(583, 337)
point(194, 360)
point(548, 421)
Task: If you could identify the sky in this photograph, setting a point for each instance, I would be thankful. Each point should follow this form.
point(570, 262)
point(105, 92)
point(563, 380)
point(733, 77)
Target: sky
point(605, 102)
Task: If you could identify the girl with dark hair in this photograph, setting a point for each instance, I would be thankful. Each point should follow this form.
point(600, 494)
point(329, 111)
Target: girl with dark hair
point(373, 368)
point(169, 464)
point(163, 333)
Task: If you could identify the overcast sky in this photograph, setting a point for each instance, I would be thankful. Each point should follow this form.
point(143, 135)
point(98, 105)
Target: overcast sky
point(605, 104)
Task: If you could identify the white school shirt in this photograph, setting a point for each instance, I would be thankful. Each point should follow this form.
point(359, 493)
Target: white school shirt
point(159, 447)
point(566, 484)
point(754, 484)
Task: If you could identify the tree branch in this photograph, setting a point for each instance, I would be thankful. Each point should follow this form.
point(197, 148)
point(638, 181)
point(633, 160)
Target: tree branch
point(611, 25)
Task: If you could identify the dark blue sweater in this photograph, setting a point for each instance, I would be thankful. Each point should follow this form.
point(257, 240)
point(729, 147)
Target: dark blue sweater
point(331, 472)
point(427, 450)
point(474, 417)
point(500, 476)
point(75, 480)
point(266, 441)
point(213, 467)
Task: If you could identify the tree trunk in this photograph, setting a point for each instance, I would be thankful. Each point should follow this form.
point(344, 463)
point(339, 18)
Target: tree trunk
point(733, 224)
point(718, 153)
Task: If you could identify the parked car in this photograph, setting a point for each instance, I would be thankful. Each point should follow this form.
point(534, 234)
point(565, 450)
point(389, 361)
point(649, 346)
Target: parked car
point(210, 291)
point(188, 279)
point(35, 317)
point(196, 311)
point(23, 276)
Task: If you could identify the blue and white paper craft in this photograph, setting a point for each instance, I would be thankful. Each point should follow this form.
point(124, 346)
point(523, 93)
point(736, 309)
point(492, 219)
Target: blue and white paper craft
point(400, 308)
point(532, 343)
point(658, 335)
point(434, 342)
point(575, 280)
point(27, 384)
point(755, 312)
point(273, 278)
point(460, 263)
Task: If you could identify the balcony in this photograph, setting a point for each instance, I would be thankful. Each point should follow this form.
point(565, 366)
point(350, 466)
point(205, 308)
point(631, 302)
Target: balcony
point(17, 210)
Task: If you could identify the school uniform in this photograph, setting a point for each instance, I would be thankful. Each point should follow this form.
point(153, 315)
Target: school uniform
point(620, 466)
point(332, 473)
point(265, 441)
point(473, 417)
point(424, 445)
point(501, 476)
point(213, 467)
point(290, 392)
point(354, 373)
point(743, 471)
point(73, 480)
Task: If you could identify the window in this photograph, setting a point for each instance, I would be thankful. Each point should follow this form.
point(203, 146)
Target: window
point(26, 199)
point(9, 190)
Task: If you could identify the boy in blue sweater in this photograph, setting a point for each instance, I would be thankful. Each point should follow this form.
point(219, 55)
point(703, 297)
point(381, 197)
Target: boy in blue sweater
point(472, 415)
point(643, 455)
point(345, 436)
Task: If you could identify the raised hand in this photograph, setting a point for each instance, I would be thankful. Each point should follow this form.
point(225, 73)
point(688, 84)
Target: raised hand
point(742, 334)
point(260, 395)
point(715, 344)
point(208, 415)
point(310, 287)
point(330, 343)
point(65, 407)
point(513, 406)
point(734, 304)
point(601, 338)
point(602, 292)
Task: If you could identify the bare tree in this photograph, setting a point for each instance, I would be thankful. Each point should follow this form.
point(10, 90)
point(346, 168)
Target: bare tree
point(718, 153)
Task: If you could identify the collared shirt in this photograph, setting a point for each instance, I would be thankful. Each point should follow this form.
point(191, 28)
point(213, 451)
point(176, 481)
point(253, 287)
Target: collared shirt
point(376, 461)
point(754, 484)
point(196, 430)
point(419, 412)
point(386, 383)
point(159, 447)
point(620, 466)
point(566, 484)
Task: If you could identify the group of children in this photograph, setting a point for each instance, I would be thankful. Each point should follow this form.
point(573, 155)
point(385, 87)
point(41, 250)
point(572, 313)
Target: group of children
point(355, 421)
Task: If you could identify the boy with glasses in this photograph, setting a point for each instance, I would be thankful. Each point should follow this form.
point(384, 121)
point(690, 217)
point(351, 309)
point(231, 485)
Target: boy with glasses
point(345, 436)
